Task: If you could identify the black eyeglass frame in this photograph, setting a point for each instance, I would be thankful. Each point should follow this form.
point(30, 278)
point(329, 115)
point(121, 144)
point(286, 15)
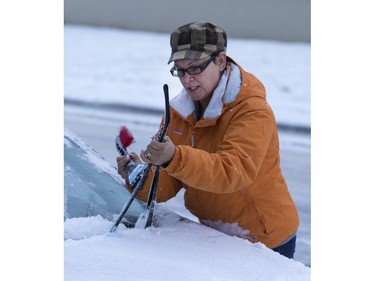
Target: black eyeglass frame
point(194, 70)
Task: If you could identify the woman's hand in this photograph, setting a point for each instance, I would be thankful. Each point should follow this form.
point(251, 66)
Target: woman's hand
point(122, 162)
point(159, 153)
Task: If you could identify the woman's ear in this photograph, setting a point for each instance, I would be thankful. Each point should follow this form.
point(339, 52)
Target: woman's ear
point(221, 60)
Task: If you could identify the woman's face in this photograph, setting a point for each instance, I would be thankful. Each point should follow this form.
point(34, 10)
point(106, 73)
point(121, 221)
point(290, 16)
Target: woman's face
point(201, 86)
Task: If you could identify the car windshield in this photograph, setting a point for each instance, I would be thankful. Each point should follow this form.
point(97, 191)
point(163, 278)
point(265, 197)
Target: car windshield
point(91, 185)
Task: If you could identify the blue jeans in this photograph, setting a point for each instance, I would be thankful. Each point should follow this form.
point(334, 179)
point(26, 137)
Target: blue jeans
point(288, 248)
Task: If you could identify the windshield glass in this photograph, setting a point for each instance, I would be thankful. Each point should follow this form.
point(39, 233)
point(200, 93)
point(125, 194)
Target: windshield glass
point(90, 185)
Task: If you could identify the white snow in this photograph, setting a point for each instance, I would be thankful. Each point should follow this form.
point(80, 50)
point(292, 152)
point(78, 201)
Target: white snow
point(176, 250)
point(129, 67)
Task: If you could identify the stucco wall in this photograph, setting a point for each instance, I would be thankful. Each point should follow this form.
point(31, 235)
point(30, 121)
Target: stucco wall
point(287, 20)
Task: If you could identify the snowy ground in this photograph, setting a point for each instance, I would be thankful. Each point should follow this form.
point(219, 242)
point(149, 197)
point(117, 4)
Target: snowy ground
point(127, 67)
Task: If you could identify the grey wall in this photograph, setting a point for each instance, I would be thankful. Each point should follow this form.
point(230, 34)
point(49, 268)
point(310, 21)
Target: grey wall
point(287, 20)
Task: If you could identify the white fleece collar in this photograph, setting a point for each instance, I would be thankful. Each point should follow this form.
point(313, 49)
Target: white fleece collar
point(225, 92)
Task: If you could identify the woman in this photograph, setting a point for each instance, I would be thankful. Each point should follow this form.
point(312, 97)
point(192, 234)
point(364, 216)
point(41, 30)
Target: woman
point(222, 145)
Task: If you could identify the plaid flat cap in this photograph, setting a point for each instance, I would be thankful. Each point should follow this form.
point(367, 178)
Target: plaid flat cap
point(197, 40)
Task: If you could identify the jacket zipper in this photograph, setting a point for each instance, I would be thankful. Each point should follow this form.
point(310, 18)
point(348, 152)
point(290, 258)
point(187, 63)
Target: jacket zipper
point(196, 119)
point(192, 138)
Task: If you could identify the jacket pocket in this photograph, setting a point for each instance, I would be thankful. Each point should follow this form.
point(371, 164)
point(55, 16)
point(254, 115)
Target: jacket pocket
point(256, 224)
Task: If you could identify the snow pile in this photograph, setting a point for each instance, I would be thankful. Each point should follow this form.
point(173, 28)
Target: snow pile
point(178, 249)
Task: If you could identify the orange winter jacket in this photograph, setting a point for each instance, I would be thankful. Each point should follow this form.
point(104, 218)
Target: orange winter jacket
point(228, 162)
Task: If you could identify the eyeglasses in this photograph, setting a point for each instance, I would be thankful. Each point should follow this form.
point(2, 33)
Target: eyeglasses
point(194, 70)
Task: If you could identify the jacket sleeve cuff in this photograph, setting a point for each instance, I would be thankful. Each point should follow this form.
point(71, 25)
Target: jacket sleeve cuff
point(173, 164)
